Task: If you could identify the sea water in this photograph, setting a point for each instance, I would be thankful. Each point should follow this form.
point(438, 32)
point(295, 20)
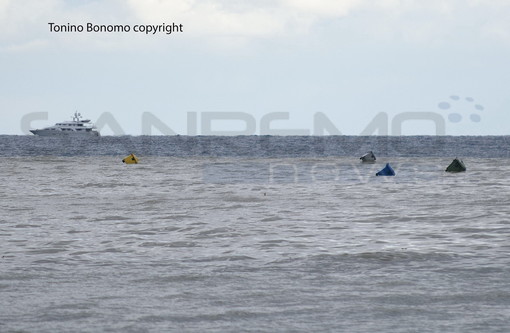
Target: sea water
point(254, 234)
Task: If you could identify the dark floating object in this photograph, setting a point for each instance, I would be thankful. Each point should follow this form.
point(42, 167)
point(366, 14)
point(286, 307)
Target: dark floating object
point(368, 157)
point(387, 171)
point(456, 166)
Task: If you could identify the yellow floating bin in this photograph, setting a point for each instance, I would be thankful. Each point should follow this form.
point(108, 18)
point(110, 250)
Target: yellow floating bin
point(131, 159)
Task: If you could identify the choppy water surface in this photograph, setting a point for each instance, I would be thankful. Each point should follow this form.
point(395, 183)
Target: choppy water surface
point(231, 244)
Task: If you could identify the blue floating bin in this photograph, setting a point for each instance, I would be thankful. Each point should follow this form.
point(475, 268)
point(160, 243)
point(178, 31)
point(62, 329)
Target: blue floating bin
point(386, 171)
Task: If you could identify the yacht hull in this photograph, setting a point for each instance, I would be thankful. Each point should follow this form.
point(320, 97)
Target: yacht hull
point(64, 133)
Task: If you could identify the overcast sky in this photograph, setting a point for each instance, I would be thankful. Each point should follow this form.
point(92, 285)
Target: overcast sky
point(345, 66)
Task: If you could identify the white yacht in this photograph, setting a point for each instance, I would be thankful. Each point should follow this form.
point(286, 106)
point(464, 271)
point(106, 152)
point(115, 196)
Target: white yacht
point(77, 126)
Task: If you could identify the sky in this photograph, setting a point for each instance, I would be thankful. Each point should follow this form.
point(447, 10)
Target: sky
point(280, 67)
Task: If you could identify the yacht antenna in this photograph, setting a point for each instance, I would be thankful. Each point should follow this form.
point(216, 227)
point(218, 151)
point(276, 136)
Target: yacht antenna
point(77, 116)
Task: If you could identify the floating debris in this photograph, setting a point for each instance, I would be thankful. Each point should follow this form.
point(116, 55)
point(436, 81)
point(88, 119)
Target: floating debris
point(368, 158)
point(131, 159)
point(456, 166)
point(386, 171)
